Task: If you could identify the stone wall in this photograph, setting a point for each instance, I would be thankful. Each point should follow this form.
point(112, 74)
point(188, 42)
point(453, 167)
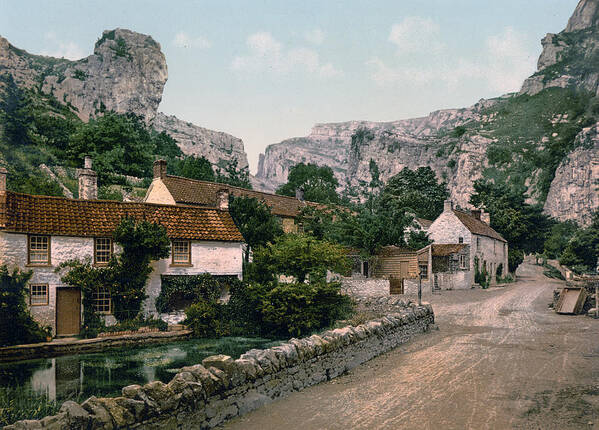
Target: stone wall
point(207, 394)
point(366, 287)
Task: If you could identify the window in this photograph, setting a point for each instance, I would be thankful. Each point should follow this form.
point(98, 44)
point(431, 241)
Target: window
point(460, 239)
point(478, 242)
point(102, 300)
point(39, 250)
point(423, 271)
point(181, 252)
point(102, 250)
point(463, 262)
point(38, 294)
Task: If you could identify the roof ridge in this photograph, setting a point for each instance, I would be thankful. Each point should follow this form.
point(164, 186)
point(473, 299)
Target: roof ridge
point(115, 202)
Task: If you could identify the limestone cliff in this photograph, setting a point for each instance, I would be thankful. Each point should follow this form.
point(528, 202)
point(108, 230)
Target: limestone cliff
point(543, 140)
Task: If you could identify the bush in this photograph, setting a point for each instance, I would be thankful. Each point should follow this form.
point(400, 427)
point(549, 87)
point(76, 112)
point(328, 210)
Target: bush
point(136, 324)
point(16, 324)
point(299, 309)
point(179, 290)
point(244, 309)
point(205, 319)
point(16, 405)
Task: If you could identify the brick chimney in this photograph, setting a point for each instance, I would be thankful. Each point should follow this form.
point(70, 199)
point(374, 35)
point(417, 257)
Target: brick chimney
point(447, 206)
point(222, 200)
point(159, 169)
point(3, 175)
point(299, 194)
point(485, 217)
point(88, 181)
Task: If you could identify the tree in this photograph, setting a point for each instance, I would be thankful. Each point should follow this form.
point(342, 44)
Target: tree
point(416, 191)
point(558, 238)
point(16, 324)
point(192, 167)
point(233, 175)
point(582, 251)
point(319, 184)
point(257, 224)
point(300, 256)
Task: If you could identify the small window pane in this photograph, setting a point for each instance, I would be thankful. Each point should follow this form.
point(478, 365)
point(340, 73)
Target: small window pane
point(102, 300)
point(38, 249)
point(38, 294)
point(181, 254)
point(103, 250)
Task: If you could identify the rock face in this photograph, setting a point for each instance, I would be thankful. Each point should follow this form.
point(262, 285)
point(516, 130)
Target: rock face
point(392, 146)
point(568, 60)
point(126, 73)
point(215, 146)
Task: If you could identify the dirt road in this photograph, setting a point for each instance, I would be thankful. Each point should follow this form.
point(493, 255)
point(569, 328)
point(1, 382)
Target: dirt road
point(500, 359)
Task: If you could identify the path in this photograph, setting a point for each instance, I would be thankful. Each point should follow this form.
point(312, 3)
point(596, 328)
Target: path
point(501, 359)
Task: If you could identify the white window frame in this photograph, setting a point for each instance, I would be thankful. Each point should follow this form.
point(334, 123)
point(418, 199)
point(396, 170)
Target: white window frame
point(39, 294)
point(101, 250)
point(35, 247)
point(177, 252)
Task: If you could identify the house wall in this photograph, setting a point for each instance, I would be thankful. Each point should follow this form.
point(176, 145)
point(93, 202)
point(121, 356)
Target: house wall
point(493, 251)
point(447, 228)
point(288, 224)
point(158, 193)
point(216, 258)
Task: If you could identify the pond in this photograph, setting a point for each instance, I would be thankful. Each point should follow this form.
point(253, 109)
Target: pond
point(76, 377)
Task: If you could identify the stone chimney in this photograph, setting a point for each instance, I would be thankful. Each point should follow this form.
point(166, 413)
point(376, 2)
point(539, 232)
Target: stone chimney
point(299, 194)
point(88, 181)
point(159, 169)
point(222, 200)
point(476, 213)
point(447, 206)
point(3, 175)
point(485, 217)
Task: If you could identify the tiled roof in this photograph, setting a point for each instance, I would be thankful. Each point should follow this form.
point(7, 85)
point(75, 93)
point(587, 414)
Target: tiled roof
point(476, 226)
point(67, 217)
point(426, 223)
point(443, 250)
point(192, 191)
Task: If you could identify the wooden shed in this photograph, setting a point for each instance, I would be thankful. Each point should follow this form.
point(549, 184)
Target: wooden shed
point(396, 264)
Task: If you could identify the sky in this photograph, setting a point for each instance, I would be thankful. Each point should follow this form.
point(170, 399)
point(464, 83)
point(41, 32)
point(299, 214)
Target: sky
point(265, 71)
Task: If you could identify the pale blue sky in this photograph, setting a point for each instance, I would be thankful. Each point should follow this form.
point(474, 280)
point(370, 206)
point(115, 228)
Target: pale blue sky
point(269, 70)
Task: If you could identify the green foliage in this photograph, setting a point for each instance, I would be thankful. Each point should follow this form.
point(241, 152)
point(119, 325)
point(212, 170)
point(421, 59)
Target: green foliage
point(318, 183)
point(135, 324)
point(559, 236)
point(300, 309)
point(515, 257)
point(233, 175)
point(178, 290)
point(302, 256)
point(80, 74)
point(360, 137)
point(553, 272)
point(16, 405)
point(582, 250)
point(16, 324)
point(481, 277)
point(205, 319)
point(109, 193)
point(243, 311)
point(192, 167)
point(416, 191)
point(255, 222)
point(459, 131)
point(121, 49)
point(451, 163)
point(418, 240)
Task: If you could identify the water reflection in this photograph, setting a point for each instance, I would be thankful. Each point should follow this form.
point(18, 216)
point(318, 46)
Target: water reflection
point(77, 377)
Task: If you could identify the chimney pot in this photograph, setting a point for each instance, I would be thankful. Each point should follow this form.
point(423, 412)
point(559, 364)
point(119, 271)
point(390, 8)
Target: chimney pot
point(299, 194)
point(447, 206)
point(159, 169)
point(222, 200)
point(87, 162)
point(485, 217)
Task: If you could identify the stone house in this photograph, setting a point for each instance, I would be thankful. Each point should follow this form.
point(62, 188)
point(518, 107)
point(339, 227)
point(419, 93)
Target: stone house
point(171, 190)
point(38, 233)
point(486, 248)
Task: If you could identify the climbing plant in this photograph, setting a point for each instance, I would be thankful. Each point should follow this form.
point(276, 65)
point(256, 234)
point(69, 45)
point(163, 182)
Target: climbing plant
point(178, 290)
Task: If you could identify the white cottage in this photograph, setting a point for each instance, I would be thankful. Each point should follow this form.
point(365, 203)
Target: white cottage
point(486, 248)
point(38, 233)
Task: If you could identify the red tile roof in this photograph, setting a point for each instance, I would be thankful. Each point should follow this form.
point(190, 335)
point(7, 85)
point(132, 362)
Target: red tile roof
point(476, 226)
point(88, 218)
point(193, 191)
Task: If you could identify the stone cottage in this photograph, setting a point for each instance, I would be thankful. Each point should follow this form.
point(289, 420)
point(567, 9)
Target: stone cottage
point(38, 233)
point(171, 190)
point(485, 247)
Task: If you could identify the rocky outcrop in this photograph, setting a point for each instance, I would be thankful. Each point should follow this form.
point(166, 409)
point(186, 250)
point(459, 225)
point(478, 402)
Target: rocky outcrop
point(217, 147)
point(585, 15)
point(574, 192)
point(126, 73)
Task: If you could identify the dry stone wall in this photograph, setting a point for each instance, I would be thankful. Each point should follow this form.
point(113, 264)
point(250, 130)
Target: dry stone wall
point(207, 394)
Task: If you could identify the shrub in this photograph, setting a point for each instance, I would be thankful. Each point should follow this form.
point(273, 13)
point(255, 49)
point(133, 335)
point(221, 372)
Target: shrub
point(244, 309)
point(16, 324)
point(179, 290)
point(16, 404)
point(205, 319)
point(136, 324)
point(299, 309)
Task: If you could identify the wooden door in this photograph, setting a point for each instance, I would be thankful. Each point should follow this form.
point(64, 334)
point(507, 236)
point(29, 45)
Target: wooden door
point(395, 285)
point(68, 311)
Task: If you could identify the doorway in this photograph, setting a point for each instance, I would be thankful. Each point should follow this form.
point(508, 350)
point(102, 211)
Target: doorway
point(68, 311)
